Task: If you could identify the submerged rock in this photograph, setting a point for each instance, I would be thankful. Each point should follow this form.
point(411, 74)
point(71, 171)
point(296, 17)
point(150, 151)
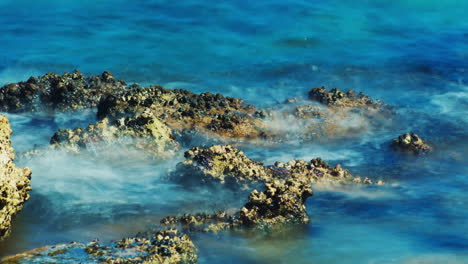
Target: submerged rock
point(14, 181)
point(411, 142)
point(51, 91)
point(164, 247)
point(143, 131)
point(213, 114)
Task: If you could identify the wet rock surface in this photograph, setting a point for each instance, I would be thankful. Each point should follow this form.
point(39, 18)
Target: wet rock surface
point(286, 188)
point(180, 109)
point(14, 181)
point(336, 97)
point(164, 247)
point(221, 163)
point(227, 164)
point(412, 143)
point(280, 204)
point(51, 91)
point(143, 131)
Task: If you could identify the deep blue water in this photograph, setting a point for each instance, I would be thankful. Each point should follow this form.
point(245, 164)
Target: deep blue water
point(410, 54)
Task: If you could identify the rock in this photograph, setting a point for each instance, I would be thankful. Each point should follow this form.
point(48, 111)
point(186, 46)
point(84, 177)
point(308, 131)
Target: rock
point(308, 111)
point(336, 97)
point(281, 203)
point(164, 247)
point(14, 181)
point(69, 91)
point(143, 131)
point(227, 164)
point(287, 186)
point(213, 114)
point(221, 163)
point(412, 143)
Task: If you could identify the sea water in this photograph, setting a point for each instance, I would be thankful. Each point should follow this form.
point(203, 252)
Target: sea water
point(409, 54)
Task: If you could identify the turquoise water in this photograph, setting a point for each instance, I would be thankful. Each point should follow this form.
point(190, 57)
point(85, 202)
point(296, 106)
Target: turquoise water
point(411, 54)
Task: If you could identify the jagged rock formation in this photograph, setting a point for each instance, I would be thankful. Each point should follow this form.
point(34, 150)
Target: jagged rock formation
point(287, 187)
point(143, 131)
point(164, 247)
point(280, 204)
point(14, 181)
point(180, 109)
point(69, 91)
point(412, 143)
point(228, 164)
point(222, 163)
point(336, 97)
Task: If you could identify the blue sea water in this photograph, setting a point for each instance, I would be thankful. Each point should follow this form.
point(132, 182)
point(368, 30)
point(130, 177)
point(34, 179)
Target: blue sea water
point(412, 54)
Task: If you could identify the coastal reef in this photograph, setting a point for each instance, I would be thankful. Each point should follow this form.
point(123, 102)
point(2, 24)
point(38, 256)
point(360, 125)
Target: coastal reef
point(280, 204)
point(325, 114)
point(143, 131)
point(286, 187)
point(51, 91)
point(412, 143)
point(220, 163)
point(14, 181)
point(213, 114)
point(163, 247)
point(227, 164)
point(336, 97)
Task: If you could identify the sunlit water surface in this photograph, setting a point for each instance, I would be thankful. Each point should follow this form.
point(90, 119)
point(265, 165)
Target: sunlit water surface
point(410, 54)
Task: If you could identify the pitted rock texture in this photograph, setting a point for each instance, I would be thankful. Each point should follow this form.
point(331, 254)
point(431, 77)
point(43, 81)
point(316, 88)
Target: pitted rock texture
point(143, 131)
point(412, 143)
point(69, 91)
point(180, 109)
point(223, 163)
point(336, 97)
point(227, 164)
point(280, 204)
point(14, 181)
point(164, 247)
point(317, 171)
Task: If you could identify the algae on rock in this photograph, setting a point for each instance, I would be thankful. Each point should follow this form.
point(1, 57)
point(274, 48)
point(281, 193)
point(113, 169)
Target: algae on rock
point(14, 181)
point(213, 114)
point(51, 91)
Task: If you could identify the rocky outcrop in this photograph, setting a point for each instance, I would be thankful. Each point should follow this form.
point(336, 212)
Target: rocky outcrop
point(213, 114)
point(227, 164)
point(69, 91)
point(286, 188)
point(336, 97)
point(14, 181)
point(164, 247)
point(143, 131)
point(220, 163)
point(280, 204)
point(411, 143)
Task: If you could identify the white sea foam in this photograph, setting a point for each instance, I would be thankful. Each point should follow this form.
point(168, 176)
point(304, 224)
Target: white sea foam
point(454, 103)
